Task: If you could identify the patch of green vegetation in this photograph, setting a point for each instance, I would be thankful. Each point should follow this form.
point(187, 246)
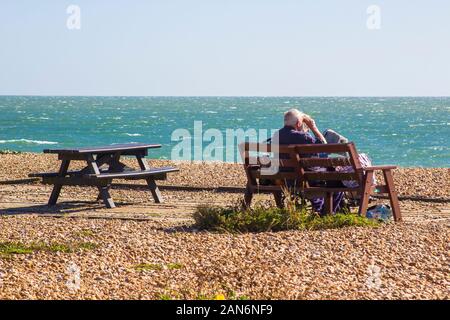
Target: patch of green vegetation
point(155, 266)
point(87, 246)
point(164, 296)
point(169, 294)
point(10, 248)
point(202, 297)
point(15, 248)
point(54, 247)
point(262, 219)
point(173, 266)
point(148, 266)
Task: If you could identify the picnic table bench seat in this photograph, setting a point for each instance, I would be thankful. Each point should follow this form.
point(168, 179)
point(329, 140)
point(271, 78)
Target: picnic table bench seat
point(293, 172)
point(156, 173)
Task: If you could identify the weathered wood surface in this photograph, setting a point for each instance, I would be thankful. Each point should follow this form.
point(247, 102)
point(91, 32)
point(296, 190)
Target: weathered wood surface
point(105, 149)
point(95, 175)
point(295, 173)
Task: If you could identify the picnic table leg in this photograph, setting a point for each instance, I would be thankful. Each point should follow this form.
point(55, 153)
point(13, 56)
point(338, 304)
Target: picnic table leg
point(103, 190)
point(106, 197)
point(150, 181)
point(57, 187)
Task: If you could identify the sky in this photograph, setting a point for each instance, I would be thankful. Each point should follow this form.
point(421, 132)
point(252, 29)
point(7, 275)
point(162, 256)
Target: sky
point(225, 48)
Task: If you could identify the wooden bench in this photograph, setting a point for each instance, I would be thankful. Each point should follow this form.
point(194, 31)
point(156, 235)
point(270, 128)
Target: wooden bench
point(291, 170)
point(104, 165)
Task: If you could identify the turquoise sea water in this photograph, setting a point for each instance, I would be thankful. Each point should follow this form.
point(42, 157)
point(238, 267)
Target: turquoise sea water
point(402, 131)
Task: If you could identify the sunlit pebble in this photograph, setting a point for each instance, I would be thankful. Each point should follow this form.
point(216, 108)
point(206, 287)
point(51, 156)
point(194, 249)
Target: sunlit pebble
point(254, 265)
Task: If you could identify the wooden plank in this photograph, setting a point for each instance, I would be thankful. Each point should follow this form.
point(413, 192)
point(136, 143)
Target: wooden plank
point(266, 188)
point(132, 174)
point(374, 168)
point(328, 176)
point(324, 162)
point(72, 156)
point(321, 148)
point(264, 147)
point(74, 181)
point(279, 175)
point(324, 189)
point(289, 163)
point(53, 174)
point(104, 149)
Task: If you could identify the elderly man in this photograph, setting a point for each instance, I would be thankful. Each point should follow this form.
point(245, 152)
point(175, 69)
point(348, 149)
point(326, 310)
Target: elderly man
point(295, 131)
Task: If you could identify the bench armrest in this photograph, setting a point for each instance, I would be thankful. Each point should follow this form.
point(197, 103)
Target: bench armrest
point(374, 168)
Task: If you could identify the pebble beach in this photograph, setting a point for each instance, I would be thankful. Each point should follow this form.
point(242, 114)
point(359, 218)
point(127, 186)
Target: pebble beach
point(143, 250)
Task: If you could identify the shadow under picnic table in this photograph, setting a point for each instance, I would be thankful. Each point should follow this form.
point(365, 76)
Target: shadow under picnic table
point(61, 208)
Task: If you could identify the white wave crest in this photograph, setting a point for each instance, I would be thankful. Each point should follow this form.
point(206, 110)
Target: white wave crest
point(28, 141)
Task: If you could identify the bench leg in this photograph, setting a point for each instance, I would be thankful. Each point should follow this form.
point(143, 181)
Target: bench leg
point(248, 196)
point(106, 197)
point(328, 203)
point(364, 201)
point(154, 190)
point(278, 195)
point(57, 187)
point(392, 195)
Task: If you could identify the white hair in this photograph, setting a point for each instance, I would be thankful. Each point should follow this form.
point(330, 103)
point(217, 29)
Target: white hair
point(291, 117)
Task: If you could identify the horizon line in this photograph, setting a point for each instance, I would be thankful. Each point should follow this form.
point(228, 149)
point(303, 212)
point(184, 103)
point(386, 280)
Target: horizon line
point(229, 96)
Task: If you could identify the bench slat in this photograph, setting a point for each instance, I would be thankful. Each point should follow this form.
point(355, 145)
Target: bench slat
point(327, 176)
point(325, 162)
point(133, 174)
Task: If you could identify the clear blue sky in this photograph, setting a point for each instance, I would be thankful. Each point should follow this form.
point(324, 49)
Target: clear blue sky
point(225, 47)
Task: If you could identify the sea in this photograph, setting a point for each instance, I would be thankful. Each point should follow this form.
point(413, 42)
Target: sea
point(405, 131)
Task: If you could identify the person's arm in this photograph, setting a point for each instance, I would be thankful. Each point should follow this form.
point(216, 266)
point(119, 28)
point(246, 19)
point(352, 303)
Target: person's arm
point(312, 126)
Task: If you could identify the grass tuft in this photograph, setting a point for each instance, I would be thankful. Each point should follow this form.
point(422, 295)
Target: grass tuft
point(262, 219)
point(148, 266)
point(10, 248)
point(173, 266)
point(155, 266)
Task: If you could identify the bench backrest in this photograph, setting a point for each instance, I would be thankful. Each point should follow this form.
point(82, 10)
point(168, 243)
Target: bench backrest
point(294, 162)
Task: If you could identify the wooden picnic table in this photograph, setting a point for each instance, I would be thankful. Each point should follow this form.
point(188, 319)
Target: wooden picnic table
point(103, 164)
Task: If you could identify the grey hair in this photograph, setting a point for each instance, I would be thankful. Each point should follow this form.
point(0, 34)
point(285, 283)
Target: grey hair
point(291, 117)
